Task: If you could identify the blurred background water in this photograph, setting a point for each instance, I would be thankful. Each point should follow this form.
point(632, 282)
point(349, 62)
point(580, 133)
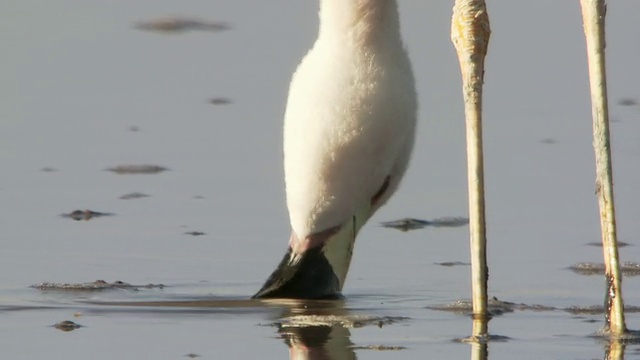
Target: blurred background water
point(82, 90)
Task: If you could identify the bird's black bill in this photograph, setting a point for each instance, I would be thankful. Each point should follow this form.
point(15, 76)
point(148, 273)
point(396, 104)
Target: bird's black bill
point(311, 277)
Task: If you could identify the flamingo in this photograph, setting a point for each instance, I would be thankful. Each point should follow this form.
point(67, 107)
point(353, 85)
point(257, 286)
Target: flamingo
point(349, 130)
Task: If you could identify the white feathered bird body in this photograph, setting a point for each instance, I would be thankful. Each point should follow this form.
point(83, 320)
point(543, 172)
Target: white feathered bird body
point(350, 117)
point(348, 134)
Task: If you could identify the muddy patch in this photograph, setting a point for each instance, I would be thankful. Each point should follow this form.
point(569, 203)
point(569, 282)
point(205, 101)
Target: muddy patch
point(499, 307)
point(67, 326)
point(97, 285)
point(627, 268)
point(627, 102)
point(220, 101)
point(452, 263)
point(144, 169)
point(548, 141)
point(407, 224)
point(599, 244)
point(495, 307)
point(596, 309)
point(345, 321)
point(134, 195)
point(195, 233)
point(178, 24)
point(86, 215)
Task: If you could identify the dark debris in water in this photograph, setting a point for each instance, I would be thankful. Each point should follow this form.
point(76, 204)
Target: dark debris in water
point(627, 268)
point(48, 169)
point(627, 102)
point(175, 24)
point(137, 169)
point(192, 355)
point(78, 215)
point(220, 101)
point(97, 285)
point(134, 195)
point(453, 263)
point(407, 224)
point(548, 141)
point(195, 233)
point(599, 244)
point(67, 326)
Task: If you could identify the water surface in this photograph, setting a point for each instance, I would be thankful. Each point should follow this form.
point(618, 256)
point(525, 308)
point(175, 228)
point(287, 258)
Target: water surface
point(83, 90)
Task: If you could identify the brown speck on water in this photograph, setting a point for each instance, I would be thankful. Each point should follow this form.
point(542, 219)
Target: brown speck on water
point(134, 195)
point(548, 141)
point(627, 102)
point(175, 24)
point(77, 314)
point(48, 169)
point(192, 355)
point(137, 169)
point(78, 215)
point(67, 326)
point(220, 101)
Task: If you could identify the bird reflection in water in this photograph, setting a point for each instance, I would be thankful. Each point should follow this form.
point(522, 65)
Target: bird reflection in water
point(317, 342)
point(317, 330)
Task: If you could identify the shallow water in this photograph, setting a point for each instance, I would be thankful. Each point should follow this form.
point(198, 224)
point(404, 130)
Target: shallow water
point(84, 91)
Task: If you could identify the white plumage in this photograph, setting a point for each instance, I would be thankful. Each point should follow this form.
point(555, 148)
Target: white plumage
point(350, 115)
point(348, 135)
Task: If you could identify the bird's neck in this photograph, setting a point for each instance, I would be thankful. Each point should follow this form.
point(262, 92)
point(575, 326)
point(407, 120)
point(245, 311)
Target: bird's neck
point(361, 22)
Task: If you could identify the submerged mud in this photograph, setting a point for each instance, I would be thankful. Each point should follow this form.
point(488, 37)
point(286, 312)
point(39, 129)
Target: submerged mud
point(67, 326)
point(453, 263)
point(499, 307)
point(97, 285)
point(144, 169)
point(180, 24)
point(134, 195)
point(87, 214)
point(407, 224)
point(220, 101)
point(347, 320)
point(627, 268)
point(495, 307)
